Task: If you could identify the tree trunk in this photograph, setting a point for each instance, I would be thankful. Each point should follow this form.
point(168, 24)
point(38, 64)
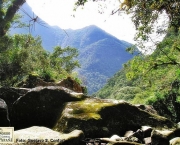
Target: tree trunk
point(11, 11)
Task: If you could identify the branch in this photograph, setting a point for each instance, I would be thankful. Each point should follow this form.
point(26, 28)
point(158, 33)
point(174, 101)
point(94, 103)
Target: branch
point(13, 9)
point(161, 64)
point(173, 62)
point(166, 63)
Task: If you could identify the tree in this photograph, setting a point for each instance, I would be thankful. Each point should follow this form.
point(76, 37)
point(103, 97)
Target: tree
point(63, 58)
point(24, 55)
point(8, 9)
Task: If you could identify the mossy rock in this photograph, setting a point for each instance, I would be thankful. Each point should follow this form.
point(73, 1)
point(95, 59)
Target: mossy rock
point(103, 118)
point(42, 106)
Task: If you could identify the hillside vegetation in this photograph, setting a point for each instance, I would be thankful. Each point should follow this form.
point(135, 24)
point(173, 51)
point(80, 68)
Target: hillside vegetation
point(152, 79)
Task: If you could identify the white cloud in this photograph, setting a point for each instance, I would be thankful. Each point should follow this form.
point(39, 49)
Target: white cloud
point(59, 12)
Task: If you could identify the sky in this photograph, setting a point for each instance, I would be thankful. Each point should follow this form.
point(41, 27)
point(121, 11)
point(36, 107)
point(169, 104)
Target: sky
point(60, 13)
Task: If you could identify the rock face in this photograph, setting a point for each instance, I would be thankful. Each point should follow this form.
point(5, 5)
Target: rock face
point(41, 135)
point(97, 118)
point(42, 106)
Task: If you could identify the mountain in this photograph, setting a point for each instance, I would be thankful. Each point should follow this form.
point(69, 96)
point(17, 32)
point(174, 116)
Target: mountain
point(101, 55)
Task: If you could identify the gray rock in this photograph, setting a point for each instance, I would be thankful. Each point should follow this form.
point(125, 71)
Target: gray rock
point(178, 124)
point(128, 133)
point(175, 141)
point(147, 141)
point(116, 138)
point(41, 135)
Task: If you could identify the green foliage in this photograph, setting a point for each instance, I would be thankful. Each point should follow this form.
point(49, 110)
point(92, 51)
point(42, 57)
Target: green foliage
point(63, 59)
point(119, 87)
point(24, 55)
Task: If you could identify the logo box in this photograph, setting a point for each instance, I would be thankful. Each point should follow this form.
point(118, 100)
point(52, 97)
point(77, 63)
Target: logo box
point(6, 135)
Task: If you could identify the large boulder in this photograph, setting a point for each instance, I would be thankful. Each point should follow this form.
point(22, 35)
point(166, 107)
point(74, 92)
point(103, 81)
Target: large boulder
point(42, 106)
point(102, 118)
point(4, 121)
point(41, 135)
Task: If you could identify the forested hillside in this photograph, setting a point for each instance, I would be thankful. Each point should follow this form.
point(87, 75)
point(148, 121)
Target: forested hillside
point(152, 79)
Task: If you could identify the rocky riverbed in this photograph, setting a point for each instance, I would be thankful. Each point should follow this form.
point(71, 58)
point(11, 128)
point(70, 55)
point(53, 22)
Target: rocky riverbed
point(62, 114)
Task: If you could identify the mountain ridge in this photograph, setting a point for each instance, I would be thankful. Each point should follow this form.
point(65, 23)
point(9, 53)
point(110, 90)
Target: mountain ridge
point(101, 54)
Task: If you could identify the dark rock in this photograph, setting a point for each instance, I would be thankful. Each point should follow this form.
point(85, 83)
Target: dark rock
point(177, 132)
point(10, 95)
point(4, 121)
point(42, 106)
point(146, 131)
point(138, 134)
point(98, 118)
point(159, 137)
point(47, 135)
point(147, 108)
